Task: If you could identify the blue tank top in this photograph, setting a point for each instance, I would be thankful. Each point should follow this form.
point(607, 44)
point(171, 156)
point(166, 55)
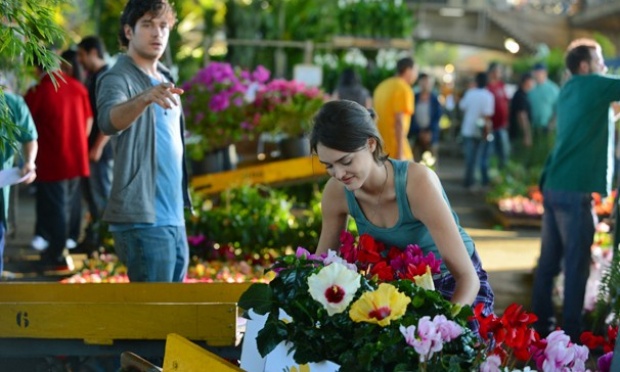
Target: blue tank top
point(408, 229)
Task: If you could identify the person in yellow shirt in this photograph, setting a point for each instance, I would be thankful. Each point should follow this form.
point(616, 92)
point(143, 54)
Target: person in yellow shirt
point(394, 103)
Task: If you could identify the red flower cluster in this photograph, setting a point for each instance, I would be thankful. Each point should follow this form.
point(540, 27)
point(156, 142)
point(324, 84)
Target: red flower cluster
point(593, 341)
point(511, 334)
point(374, 258)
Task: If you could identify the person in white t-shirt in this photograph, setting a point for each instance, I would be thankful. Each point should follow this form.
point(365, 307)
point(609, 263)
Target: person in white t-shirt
point(478, 107)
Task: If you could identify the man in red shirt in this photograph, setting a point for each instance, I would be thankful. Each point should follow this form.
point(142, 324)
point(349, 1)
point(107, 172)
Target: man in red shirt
point(63, 117)
point(500, 141)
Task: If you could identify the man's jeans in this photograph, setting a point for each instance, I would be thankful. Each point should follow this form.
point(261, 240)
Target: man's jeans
point(500, 147)
point(473, 155)
point(153, 254)
point(567, 236)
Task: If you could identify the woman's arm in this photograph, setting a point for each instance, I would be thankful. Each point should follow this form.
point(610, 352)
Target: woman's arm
point(335, 211)
point(428, 205)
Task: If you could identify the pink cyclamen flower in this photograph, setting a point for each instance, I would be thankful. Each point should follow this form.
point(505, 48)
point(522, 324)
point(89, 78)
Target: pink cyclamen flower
point(559, 353)
point(491, 364)
point(448, 329)
point(409, 333)
point(429, 339)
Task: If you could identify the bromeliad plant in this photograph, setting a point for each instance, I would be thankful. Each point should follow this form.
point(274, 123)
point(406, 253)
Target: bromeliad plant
point(368, 309)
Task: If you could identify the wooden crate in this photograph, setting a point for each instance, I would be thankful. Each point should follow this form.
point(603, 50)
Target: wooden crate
point(99, 314)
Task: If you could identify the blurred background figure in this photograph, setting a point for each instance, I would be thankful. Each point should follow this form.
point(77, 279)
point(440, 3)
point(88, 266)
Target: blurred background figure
point(424, 131)
point(520, 129)
point(394, 102)
point(27, 137)
point(500, 145)
point(63, 118)
point(350, 88)
point(543, 100)
point(477, 106)
point(96, 188)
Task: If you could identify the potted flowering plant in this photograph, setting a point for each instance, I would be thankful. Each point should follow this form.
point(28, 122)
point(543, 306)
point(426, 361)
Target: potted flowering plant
point(216, 103)
point(373, 309)
point(286, 108)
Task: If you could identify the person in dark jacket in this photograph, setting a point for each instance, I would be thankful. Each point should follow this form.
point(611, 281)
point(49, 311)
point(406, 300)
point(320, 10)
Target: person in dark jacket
point(424, 131)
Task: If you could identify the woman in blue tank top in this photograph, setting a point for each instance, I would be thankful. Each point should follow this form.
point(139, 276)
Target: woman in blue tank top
point(396, 202)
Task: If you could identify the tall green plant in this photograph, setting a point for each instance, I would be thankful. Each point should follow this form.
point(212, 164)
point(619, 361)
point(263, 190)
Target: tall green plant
point(27, 30)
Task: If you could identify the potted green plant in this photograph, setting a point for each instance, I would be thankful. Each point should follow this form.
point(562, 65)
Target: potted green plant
point(216, 105)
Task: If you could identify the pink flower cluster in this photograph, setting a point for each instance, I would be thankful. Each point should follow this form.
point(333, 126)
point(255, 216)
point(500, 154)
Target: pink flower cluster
point(218, 105)
point(286, 106)
point(429, 336)
point(226, 85)
point(558, 353)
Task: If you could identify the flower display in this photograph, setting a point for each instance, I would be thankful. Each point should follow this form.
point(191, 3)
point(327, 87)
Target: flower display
point(216, 105)
point(287, 107)
point(389, 323)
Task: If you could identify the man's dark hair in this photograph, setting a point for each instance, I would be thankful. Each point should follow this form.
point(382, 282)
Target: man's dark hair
point(92, 42)
point(482, 79)
point(525, 77)
point(403, 64)
point(574, 57)
point(422, 75)
point(136, 9)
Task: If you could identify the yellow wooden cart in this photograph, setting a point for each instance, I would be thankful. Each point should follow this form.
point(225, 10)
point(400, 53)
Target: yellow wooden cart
point(45, 319)
point(273, 172)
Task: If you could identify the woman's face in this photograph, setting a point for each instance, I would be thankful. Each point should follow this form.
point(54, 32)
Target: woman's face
point(350, 168)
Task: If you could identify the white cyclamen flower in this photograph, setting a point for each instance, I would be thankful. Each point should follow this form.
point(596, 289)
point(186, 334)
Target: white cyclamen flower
point(334, 287)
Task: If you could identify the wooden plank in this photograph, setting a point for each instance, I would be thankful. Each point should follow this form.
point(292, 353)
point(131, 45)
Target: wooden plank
point(184, 355)
point(101, 323)
point(121, 292)
point(267, 173)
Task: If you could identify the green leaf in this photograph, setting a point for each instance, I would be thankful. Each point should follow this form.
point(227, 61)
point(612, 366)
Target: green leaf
point(271, 335)
point(258, 297)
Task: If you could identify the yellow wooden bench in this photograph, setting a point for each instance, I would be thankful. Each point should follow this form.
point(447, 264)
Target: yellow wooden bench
point(36, 318)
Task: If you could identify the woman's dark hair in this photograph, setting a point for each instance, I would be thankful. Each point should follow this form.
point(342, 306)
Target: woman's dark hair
point(70, 60)
point(136, 9)
point(346, 126)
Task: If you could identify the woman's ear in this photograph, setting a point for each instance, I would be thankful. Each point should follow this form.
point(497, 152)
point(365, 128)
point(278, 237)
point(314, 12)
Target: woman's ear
point(372, 144)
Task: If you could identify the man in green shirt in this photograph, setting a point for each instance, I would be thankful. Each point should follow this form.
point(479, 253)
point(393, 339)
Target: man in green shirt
point(543, 99)
point(27, 136)
point(580, 163)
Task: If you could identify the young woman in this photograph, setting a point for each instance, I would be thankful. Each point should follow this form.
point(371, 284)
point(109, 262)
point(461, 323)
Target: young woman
point(396, 202)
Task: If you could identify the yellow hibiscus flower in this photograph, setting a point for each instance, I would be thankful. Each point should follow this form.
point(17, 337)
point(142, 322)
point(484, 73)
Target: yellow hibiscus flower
point(380, 306)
